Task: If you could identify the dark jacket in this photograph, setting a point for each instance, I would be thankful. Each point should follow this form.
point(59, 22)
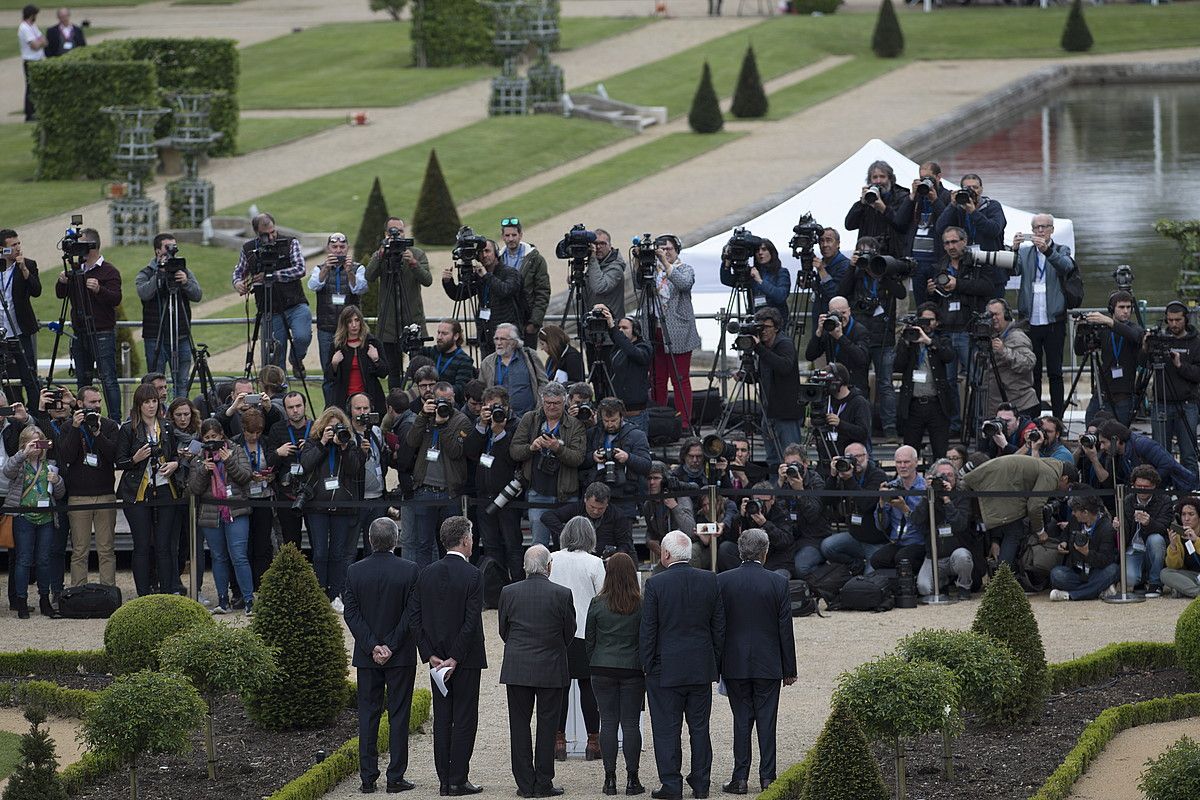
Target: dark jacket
point(937, 356)
point(849, 351)
point(446, 612)
point(920, 215)
point(857, 514)
point(629, 364)
point(614, 529)
point(490, 480)
point(55, 40)
point(954, 526)
point(148, 291)
point(854, 419)
point(984, 227)
point(631, 476)
point(537, 622)
point(836, 268)
point(775, 288)
point(888, 227)
point(806, 513)
point(972, 289)
point(340, 280)
point(682, 639)
point(130, 439)
point(611, 639)
point(376, 596)
point(1102, 550)
point(1144, 450)
point(759, 643)
point(22, 290)
point(456, 370)
point(499, 291)
point(278, 435)
point(1119, 347)
point(451, 436)
point(408, 292)
point(74, 446)
point(782, 551)
point(866, 295)
point(372, 373)
point(1182, 382)
point(1161, 511)
point(779, 378)
point(347, 469)
point(571, 363)
point(90, 311)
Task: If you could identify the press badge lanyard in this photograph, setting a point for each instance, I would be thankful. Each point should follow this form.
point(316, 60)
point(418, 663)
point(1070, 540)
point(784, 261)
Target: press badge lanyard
point(292, 432)
point(1118, 344)
point(255, 456)
point(449, 360)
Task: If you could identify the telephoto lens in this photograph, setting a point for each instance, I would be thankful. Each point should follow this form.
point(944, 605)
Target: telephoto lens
point(1088, 440)
point(842, 464)
point(445, 409)
point(829, 325)
point(1081, 539)
point(511, 491)
point(906, 586)
point(341, 434)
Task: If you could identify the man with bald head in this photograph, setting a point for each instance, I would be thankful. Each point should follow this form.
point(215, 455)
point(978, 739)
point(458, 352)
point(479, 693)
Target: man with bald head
point(64, 37)
point(858, 536)
point(892, 515)
point(839, 339)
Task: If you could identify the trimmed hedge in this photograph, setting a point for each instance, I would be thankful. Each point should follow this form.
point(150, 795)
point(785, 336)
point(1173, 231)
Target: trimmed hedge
point(792, 783)
point(1106, 662)
point(89, 769)
point(450, 32)
point(136, 629)
point(1187, 639)
point(54, 699)
point(807, 7)
point(53, 662)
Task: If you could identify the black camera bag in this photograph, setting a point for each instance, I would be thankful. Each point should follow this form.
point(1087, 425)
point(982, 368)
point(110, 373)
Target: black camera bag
point(872, 592)
point(90, 601)
point(804, 601)
point(665, 425)
point(827, 581)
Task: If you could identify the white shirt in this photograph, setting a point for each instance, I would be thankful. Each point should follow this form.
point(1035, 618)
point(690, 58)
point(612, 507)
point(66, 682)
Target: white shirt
point(583, 574)
point(8, 320)
point(358, 286)
point(1037, 313)
point(27, 34)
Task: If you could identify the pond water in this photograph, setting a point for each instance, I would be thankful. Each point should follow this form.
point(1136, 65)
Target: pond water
point(1114, 159)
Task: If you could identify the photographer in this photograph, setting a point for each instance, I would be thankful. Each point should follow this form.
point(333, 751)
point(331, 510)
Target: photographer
point(372, 482)
point(19, 277)
point(620, 456)
point(759, 511)
point(694, 468)
point(1091, 553)
point(769, 281)
point(453, 364)
point(831, 266)
point(614, 528)
point(286, 440)
point(839, 338)
point(440, 471)
point(563, 362)
point(1092, 462)
point(339, 282)
point(859, 538)
point(499, 290)
point(580, 403)
point(356, 363)
point(926, 399)
point(223, 473)
point(167, 289)
point(876, 212)
point(535, 277)
point(550, 445)
point(35, 485)
point(515, 367)
point(675, 335)
point(957, 547)
point(1009, 377)
point(252, 442)
point(605, 284)
point(1006, 433)
point(805, 515)
point(980, 218)
point(920, 211)
point(401, 270)
point(1147, 514)
point(244, 397)
point(1128, 450)
point(1119, 346)
point(1042, 300)
point(1045, 440)
point(778, 382)
point(847, 414)
point(271, 267)
point(892, 515)
point(95, 292)
point(488, 447)
point(629, 366)
point(666, 514)
point(1176, 418)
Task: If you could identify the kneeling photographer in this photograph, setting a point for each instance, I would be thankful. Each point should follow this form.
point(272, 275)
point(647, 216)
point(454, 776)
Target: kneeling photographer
point(620, 456)
point(666, 514)
point(760, 511)
point(167, 289)
point(926, 399)
point(839, 338)
point(1117, 339)
point(805, 512)
point(1005, 433)
point(778, 381)
point(628, 361)
point(614, 530)
point(959, 549)
point(1148, 515)
point(488, 447)
point(1091, 553)
point(859, 538)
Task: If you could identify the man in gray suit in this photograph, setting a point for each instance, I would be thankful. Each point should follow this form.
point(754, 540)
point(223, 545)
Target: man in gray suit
point(537, 622)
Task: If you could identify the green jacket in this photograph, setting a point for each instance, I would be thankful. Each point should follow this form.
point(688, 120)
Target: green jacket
point(412, 309)
point(611, 639)
point(536, 277)
point(1019, 474)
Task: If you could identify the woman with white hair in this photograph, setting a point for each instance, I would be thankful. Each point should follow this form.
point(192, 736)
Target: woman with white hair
point(575, 567)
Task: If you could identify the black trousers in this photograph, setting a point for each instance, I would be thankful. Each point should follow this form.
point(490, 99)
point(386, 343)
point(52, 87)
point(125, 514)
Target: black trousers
point(533, 762)
point(888, 556)
point(455, 720)
point(291, 524)
point(1048, 342)
point(925, 416)
point(154, 523)
point(372, 683)
point(261, 549)
point(501, 534)
point(620, 703)
point(28, 100)
point(669, 706)
point(755, 704)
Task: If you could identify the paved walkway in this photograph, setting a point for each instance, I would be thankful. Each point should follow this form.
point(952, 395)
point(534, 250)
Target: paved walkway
point(1115, 774)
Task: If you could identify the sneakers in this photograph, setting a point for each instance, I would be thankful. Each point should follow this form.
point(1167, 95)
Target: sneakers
point(1111, 591)
point(1154, 590)
point(964, 594)
point(337, 605)
point(249, 608)
point(1058, 595)
point(221, 609)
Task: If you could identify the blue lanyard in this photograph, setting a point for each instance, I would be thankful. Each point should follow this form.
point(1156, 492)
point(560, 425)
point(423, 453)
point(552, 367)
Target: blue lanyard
point(501, 371)
point(255, 456)
point(331, 457)
point(449, 361)
point(554, 433)
point(550, 370)
point(337, 281)
point(488, 450)
point(1041, 266)
point(4, 285)
point(920, 355)
point(292, 431)
point(1118, 344)
point(433, 444)
point(872, 286)
point(829, 407)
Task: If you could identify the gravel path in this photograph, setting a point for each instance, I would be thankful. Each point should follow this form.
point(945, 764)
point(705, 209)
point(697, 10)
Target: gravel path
point(1115, 775)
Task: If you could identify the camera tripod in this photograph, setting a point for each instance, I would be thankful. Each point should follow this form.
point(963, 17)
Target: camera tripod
point(265, 312)
point(1155, 379)
point(393, 263)
point(1096, 374)
point(168, 313)
point(740, 303)
point(800, 303)
point(466, 312)
point(73, 269)
point(744, 381)
point(978, 398)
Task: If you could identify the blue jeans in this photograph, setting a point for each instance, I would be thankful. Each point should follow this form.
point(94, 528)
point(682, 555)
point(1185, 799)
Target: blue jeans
point(843, 548)
point(1180, 425)
point(33, 543)
point(98, 353)
point(808, 558)
point(229, 544)
point(159, 354)
point(883, 360)
point(787, 431)
point(1153, 556)
point(540, 533)
point(960, 365)
point(1084, 587)
point(1122, 410)
point(327, 534)
point(641, 421)
point(325, 348)
point(429, 512)
point(298, 320)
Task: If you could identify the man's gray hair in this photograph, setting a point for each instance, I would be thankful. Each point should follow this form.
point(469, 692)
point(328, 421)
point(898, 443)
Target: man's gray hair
point(933, 468)
point(509, 330)
point(678, 545)
point(752, 545)
point(537, 560)
point(382, 535)
point(260, 220)
point(453, 531)
point(552, 389)
point(578, 535)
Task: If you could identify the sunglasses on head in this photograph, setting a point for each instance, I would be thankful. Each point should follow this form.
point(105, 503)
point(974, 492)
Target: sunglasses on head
point(509, 221)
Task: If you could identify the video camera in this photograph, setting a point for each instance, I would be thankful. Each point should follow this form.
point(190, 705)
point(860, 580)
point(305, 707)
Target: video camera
point(468, 246)
point(914, 326)
point(645, 254)
point(70, 245)
point(1158, 345)
point(368, 420)
point(821, 385)
point(576, 244)
point(739, 253)
point(595, 327)
point(1090, 333)
point(411, 340)
point(394, 246)
point(744, 332)
point(805, 236)
point(170, 267)
point(980, 327)
point(1123, 277)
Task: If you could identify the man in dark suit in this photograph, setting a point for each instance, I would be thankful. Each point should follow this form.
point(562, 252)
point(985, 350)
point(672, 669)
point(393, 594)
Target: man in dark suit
point(760, 651)
point(682, 638)
point(537, 621)
point(19, 284)
point(376, 597)
point(446, 617)
point(64, 37)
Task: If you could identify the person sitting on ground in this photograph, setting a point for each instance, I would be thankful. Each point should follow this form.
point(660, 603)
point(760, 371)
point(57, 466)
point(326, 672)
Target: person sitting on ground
point(1182, 573)
point(1091, 553)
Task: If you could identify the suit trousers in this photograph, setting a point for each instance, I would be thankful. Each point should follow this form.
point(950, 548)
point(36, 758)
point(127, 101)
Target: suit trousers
point(398, 683)
point(754, 702)
point(455, 720)
point(533, 764)
point(925, 417)
point(669, 706)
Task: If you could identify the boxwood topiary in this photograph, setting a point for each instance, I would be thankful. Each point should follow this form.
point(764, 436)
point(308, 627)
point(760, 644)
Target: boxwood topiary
point(888, 40)
point(987, 671)
point(705, 115)
point(1005, 615)
point(841, 765)
point(1187, 640)
point(1174, 775)
point(134, 632)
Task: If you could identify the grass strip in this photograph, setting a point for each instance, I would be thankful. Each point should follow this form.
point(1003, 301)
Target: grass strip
point(828, 84)
point(258, 134)
point(10, 753)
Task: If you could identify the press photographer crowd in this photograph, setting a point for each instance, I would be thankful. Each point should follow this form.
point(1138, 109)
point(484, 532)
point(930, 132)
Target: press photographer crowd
point(532, 444)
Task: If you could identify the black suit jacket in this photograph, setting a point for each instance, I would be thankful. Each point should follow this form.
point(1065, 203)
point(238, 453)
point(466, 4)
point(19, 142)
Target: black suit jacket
point(446, 612)
point(54, 40)
point(683, 626)
point(377, 595)
point(22, 290)
point(537, 622)
point(758, 619)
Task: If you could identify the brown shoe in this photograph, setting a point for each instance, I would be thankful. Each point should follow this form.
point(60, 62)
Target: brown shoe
point(593, 748)
point(560, 746)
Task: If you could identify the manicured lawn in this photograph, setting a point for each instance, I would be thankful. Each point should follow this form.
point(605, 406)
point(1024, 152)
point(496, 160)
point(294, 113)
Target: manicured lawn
point(256, 134)
point(22, 200)
point(830, 83)
point(46, 17)
point(10, 752)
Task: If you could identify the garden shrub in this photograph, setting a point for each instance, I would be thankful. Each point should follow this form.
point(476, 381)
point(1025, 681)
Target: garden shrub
point(54, 699)
point(705, 116)
point(53, 662)
point(749, 98)
point(446, 33)
point(1004, 614)
point(1187, 640)
point(435, 220)
point(1174, 775)
point(888, 40)
point(1076, 38)
point(807, 7)
point(986, 670)
point(893, 698)
point(841, 765)
point(136, 629)
point(36, 776)
point(1109, 660)
point(292, 614)
point(366, 243)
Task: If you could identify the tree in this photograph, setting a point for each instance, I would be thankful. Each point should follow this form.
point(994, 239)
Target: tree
point(705, 116)
point(1005, 615)
point(142, 713)
point(393, 7)
point(842, 766)
point(435, 220)
point(749, 99)
point(135, 630)
point(375, 216)
point(446, 33)
point(218, 660)
point(1076, 37)
point(888, 40)
point(36, 777)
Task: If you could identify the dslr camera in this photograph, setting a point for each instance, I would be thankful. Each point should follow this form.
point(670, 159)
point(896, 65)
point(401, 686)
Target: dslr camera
point(210, 447)
point(793, 471)
point(411, 340)
point(880, 267)
point(511, 491)
point(753, 507)
point(1081, 539)
point(608, 466)
point(468, 246)
point(830, 323)
point(1034, 435)
point(341, 434)
point(499, 412)
point(842, 464)
point(1089, 441)
point(991, 427)
point(939, 484)
point(576, 244)
point(584, 412)
point(444, 409)
point(941, 283)
point(873, 194)
point(925, 186)
point(914, 326)
point(963, 196)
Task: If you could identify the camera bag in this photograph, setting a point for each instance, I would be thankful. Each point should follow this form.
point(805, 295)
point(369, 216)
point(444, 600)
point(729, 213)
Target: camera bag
point(665, 425)
point(494, 577)
point(1072, 286)
point(804, 601)
point(827, 581)
point(90, 601)
point(872, 592)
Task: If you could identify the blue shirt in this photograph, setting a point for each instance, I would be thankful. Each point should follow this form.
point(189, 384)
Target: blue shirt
point(895, 524)
point(515, 377)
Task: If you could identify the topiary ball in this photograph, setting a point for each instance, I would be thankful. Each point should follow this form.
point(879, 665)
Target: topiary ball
point(136, 629)
point(1187, 640)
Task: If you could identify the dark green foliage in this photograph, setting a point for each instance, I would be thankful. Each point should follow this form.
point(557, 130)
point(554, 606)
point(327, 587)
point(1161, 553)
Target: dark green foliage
point(842, 766)
point(986, 671)
point(292, 614)
point(1187, 640)
point(1175, 775)
point(888, 40)
point(749, 98)
point(52, 698)
point(392, 7)
point(1004, 614)
point(705, 115)
point(53, 662)
point(451, 32)
point(435, 221)
point(36, 777)
point(219, 659)
point(892, 698)
point(370, 232)
point(134, 632)
point(1076, 37)
point(807, 7)
point(1108, 661)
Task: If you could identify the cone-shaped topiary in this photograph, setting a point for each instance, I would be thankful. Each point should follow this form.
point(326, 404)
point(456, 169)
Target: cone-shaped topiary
point(292, 613)
point(749, 99)
point(888, 40)
point(370, 232)
point(1187, 640)
point(135, 630)
point(1076, 37)
point(36, 776)
point(1004, 614)
point(842, 766)
point(705, 116)
point(436, 219)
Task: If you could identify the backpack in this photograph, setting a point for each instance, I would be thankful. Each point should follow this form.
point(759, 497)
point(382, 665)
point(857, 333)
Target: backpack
point(827, 580)
point(665, 426)
point(804, 601)
point(1072, 286)
point(494, 577)
point(872, 592)
point(90, 601)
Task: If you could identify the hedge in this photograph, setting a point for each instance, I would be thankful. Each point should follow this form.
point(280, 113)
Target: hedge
point(1106, 662)
point(446, 33)
point(53, 662)
point(53, 699)
point(791, 783)
point(89, 769)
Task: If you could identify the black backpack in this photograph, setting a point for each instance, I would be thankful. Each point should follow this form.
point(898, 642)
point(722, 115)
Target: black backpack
point(827, 581)
point(495, 578)
point(1072, 286)
point(90, 601)
point(872, 592)
point(804, 601)
point(666, 427)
